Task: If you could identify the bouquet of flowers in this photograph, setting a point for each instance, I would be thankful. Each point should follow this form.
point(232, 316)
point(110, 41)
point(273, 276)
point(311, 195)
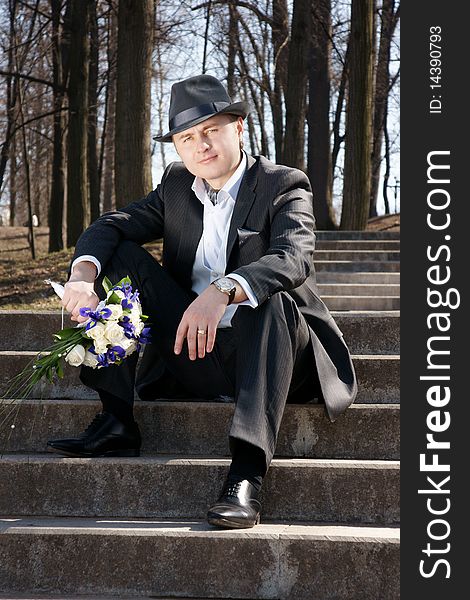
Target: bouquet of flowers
point(112, 332)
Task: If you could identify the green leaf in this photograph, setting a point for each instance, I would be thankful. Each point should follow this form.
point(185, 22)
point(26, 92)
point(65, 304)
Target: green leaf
point(59, 369)
point(49, 373)
point(65, 334)
point(114, 299)
point(124, 280)
point(107, 285)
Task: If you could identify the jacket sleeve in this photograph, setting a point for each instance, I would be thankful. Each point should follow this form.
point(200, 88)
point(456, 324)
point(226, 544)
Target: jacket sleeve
point(140, 222)
point(288, 260)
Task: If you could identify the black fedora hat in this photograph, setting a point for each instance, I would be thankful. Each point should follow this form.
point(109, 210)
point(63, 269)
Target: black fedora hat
point(196, 99)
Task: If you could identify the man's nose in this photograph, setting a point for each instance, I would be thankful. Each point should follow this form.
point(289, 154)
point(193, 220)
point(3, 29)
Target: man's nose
point(202, 144)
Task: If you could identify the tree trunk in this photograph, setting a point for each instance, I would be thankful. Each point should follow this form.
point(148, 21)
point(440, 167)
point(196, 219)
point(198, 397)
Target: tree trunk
point(133, 177)
point(232, 48)
point(382, 83)
point(357, 157)
point(78, 216)
point(318, 117)
point(13, 168)
point(108, 165)
point(92, 157)
point(11, 95)
point(56, 203)
point(280, 42)
point(296, 93)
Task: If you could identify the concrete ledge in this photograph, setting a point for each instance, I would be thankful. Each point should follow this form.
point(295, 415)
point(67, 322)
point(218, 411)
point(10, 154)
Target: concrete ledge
point(201, 428)
point(360, 255)
point(324, 234)
point(378, 378)
point(378, 333)
point(176, 487)
point(358, 277)
point(190, 559)
point(358, 265)
point(378, 303)
point(359, 289)
point(387, 245)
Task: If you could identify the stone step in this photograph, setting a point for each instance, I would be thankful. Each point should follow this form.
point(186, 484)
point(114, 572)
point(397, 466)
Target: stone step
point(191, 559)
point(202, 428)
point(362, 302)
point(365, 332)
point(356, 255)
point(35, 596)
point(387, 245)
point(357, 235)
point(166, 487)
point(359, 289)
point(349, 266)
point(324, 277)
point(378, 377)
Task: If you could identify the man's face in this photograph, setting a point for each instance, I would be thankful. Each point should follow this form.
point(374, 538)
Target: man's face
point(211, 149)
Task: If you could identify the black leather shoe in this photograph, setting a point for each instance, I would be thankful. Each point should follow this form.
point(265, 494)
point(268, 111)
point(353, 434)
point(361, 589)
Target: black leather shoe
point(105, 436)
point(238, 506)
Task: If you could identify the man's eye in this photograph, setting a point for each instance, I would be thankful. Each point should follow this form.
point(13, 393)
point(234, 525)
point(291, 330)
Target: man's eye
point(212, 130)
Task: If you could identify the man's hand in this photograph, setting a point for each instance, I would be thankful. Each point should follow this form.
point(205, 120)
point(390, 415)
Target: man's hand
point(79, 290)
point(204, 313)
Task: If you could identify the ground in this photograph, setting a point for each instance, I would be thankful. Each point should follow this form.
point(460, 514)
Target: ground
point(22, 278)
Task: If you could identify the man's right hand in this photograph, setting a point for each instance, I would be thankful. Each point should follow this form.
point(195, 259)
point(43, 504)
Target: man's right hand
point(79, 292)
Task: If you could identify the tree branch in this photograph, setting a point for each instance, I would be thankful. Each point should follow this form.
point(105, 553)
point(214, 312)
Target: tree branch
point(261, 16)
point(29, 78)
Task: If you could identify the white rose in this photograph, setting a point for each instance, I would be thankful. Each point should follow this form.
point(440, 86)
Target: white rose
point(128, 345)
point(113, 333)
point(116, 311)
point(76, 356)
point(96, 332)
point(101, 345)
point(90, 359)
point(135, 315)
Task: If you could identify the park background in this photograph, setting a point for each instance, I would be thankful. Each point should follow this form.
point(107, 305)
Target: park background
point(84, 87)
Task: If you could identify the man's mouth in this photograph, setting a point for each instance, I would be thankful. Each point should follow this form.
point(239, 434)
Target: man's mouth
point(208, 159)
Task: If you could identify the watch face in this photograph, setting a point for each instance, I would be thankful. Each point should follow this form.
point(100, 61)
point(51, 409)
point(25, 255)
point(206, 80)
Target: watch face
point(225, 284)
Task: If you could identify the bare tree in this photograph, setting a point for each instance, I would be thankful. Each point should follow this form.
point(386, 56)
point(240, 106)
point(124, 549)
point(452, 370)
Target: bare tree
point(107, 145)
point(59, 48)
point(357, 159)
point(297, 73)
point(319, 167)
point(78, 215)
point(388, 22)
point(92, 157)
point(133, 178)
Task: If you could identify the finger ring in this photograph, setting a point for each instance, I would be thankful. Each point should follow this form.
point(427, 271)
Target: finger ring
point(201, 331)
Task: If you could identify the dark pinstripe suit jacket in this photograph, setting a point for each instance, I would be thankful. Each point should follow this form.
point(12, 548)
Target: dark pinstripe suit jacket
point(271, 244)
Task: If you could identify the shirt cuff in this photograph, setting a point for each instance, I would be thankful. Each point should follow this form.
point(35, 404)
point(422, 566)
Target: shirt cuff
point(252, 299)
point(89, 258)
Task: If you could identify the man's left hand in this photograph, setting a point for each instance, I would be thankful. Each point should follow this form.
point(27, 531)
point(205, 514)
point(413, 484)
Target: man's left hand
point(203, 314)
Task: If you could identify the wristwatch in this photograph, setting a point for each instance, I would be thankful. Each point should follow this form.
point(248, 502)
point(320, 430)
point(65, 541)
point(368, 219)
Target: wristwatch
point(226, 286)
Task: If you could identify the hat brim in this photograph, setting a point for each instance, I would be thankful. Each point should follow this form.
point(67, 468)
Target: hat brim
point(240, 109)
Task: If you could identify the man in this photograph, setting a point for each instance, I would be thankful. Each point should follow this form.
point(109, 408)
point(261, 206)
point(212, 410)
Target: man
point(234, 308)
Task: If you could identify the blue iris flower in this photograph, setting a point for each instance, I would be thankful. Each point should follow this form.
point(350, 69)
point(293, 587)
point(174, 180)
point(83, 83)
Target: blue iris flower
point(95, 315)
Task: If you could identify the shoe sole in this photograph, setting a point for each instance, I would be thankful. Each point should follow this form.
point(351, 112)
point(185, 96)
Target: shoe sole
point(130, 452)
point(229, 524)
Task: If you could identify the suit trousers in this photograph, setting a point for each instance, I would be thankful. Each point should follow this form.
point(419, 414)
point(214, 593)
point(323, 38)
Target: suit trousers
point(263, 360)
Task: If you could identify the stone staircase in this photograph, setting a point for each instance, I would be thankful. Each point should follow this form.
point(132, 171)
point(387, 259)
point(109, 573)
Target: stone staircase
point(135, 527)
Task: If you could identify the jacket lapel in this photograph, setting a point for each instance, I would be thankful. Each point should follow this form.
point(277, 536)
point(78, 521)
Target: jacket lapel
point(243, 203)
point(190, 234)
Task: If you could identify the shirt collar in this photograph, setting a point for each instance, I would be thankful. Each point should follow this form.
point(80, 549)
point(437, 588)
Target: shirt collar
point(230, 187)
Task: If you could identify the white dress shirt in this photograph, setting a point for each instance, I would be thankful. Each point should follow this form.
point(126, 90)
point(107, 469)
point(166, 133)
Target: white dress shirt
point(210, 260)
